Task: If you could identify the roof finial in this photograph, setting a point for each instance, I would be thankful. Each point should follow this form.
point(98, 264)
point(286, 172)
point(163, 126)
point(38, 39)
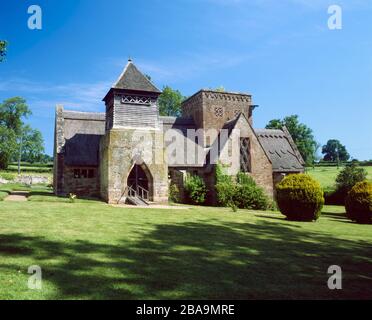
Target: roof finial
point(130, 59)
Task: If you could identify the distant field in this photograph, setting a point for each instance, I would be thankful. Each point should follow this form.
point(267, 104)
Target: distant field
point(31, 167)
point(327, 175)
point(27, 169)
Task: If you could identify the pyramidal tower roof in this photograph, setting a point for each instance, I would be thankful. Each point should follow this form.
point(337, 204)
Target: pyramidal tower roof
point(132, 79)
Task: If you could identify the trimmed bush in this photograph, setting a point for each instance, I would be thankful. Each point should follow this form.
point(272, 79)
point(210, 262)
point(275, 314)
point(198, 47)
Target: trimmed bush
point(345, 181)
point(300, 197)
point(250, 196)
point(348, 178)
point(174, 193)
point(243, 194)
point(225, 193)
point(195, 189)
point(359, 203)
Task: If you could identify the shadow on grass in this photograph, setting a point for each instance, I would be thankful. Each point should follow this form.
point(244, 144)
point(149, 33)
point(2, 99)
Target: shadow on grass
point(198, 261)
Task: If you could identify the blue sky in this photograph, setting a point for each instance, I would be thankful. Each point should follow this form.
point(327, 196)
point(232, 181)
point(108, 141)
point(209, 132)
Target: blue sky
point(281, 52)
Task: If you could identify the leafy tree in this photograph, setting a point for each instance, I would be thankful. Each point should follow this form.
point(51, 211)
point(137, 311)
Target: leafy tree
point(220, 89)
point(335, 151)
point(31, 145)
point(3, 45)
point(170, 102)
point(11, 113)
point(349, 177)
point(46, 158)
point(7, 146)
point(301, 134)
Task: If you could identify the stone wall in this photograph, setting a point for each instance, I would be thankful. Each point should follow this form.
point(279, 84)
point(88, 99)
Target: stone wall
point(261, 167)
point(121, 149)
point(58, 151)
point(177, 177)
point(83, 187)
point(211, 109)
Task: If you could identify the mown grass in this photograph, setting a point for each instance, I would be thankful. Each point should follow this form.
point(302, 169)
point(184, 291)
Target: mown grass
point(47, 195)
point(6, 189)
point(95, 251)
point(327, 175)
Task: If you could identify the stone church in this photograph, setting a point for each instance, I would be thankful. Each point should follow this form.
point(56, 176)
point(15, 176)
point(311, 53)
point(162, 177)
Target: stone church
point(131, 154)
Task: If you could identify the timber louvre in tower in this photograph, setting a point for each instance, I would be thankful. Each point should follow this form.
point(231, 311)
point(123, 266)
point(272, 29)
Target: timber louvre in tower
point(131, 101)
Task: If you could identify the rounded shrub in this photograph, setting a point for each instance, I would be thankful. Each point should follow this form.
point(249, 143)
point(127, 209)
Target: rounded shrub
point(248, 196)
point(195, 189)
point(174, 193)
point(359, 203)
point(300, 197)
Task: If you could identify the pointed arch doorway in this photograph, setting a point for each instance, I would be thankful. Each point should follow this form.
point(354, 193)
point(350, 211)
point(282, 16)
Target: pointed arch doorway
point(140, 182)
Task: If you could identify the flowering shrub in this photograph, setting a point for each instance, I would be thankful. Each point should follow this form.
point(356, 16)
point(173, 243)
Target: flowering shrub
point(72, 197)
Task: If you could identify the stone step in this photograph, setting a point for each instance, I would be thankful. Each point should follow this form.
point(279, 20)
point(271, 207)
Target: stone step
point(137, 201)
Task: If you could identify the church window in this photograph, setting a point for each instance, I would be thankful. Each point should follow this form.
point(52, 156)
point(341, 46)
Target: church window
point(84, 173)
point(245, 155)
point(77, 173)
point(218, 112)
point(91, 174)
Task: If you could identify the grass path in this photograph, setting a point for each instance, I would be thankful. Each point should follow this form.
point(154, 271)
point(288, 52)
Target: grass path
point(95, 251)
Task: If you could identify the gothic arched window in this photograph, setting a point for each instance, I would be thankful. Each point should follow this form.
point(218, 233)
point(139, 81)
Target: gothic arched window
point(245, 155)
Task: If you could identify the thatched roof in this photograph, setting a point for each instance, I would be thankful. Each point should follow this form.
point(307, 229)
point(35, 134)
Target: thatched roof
point(280, 149)
point(132, 79)
point(82, 133)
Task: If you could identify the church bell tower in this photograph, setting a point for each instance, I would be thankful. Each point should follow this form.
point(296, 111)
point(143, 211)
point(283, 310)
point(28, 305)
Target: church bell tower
point(133, 169)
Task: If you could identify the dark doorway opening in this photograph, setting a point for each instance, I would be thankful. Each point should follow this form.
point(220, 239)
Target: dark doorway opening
point(138, 182)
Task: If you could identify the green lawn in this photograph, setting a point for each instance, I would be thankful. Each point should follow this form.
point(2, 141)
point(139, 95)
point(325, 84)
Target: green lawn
point(94, 251)
point(327, 175)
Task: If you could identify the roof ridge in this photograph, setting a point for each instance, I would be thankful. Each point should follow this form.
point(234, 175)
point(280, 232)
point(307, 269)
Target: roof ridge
point(131, 78)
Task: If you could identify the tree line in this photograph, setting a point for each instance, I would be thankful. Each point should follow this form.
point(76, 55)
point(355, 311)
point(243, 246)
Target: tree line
point(19, 141)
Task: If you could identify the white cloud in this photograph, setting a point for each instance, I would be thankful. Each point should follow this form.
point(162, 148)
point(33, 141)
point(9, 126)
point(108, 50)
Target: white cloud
point(186, 66)
point(85, 96)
